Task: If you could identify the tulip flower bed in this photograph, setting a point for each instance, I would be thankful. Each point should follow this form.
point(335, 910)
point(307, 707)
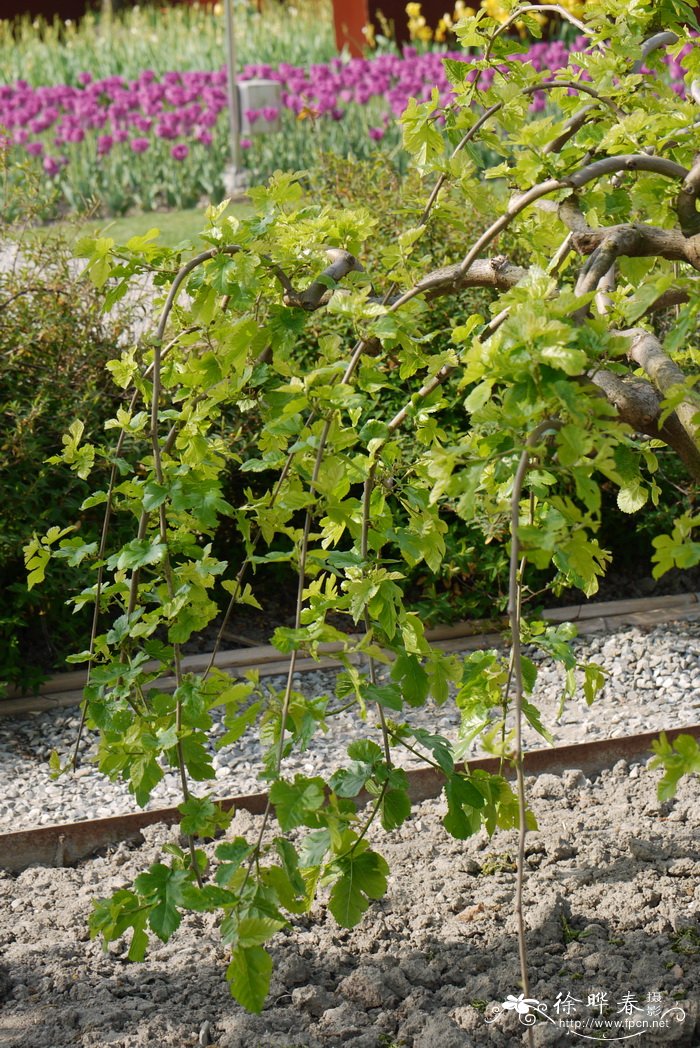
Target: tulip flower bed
point(162, 141)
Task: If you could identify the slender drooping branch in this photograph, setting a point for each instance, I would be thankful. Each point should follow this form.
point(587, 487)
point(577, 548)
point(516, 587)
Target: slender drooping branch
point(514, 607)
point(556, 9)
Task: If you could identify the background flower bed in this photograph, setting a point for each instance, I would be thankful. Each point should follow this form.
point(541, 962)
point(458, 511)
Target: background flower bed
point(162, 140)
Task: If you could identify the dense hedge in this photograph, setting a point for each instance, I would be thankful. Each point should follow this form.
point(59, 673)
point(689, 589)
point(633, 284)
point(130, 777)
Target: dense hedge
point(53, 348)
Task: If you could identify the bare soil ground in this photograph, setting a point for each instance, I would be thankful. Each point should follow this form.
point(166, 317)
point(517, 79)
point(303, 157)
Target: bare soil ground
point(612, 907)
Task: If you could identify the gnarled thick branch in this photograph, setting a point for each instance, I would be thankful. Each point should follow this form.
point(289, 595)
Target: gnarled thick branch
point(639, 405)
point(686, 202)
point(646, 351)
point(633, 239)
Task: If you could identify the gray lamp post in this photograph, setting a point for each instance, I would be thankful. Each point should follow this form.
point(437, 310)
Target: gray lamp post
point(234, 177)
point(250, 95)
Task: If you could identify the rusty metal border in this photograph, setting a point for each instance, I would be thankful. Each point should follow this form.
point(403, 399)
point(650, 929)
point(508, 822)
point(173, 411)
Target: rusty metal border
point(69, 843)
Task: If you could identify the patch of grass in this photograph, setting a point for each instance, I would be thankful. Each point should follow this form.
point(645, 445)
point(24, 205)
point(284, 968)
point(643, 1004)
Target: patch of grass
point(501, 862)
point(174, 226)
point(570, 933)
point(687, 942)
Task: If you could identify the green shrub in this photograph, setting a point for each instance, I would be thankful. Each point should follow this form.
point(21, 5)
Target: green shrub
point(53, 348)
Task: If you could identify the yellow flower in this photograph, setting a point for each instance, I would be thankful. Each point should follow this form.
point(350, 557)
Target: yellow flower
point(495, 10)
point(413, 10)
point(574, 7)
point(368, 33)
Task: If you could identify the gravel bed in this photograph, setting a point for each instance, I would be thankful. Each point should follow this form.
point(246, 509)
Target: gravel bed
point(653, 684)
point(611, 902)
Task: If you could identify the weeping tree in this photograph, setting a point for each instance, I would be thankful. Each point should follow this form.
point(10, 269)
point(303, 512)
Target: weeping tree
point(578, 365)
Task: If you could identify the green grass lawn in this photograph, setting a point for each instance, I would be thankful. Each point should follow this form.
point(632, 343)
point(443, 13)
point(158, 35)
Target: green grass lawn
point(174, 226)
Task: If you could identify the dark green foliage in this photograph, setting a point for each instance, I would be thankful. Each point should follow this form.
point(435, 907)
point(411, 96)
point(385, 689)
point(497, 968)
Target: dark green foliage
point(53, 348)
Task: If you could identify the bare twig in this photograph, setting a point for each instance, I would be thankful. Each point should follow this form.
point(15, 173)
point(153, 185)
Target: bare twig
point(520, 11)
point(514, 605)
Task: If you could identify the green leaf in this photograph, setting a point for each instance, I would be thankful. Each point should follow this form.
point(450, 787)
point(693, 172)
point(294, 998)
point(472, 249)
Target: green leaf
point(202, 817)
point(396, 808)
point(237, 724)
point(413, 679)
point(314, 848)
point(677, 550)
point(632, 497)
point(463, 803)
point(363, 877)
point(231, 855)
point(347, 782)
point(290, 864)
point(365, 750)
point(438, 746)
point(593, 681)
point(388, 695)
point(154, 495)
point(682, 757)
point(137, 554)
point(456, 71)
point(248, 976)
point(296, 802)
point(163, 886)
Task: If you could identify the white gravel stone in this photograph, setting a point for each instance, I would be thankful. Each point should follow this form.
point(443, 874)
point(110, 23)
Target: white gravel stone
point(653, 684)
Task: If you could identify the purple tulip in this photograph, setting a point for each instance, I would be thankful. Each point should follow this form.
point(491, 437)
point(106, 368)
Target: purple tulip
point(53, 164)
point(183, 107)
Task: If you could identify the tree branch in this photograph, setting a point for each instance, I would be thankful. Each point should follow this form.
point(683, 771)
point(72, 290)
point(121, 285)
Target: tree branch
point(664, 39)
point(686, 202)
point(319, 292)
point(639, 405)
point(495, 272)
point(646, 351)
point(634, 239)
